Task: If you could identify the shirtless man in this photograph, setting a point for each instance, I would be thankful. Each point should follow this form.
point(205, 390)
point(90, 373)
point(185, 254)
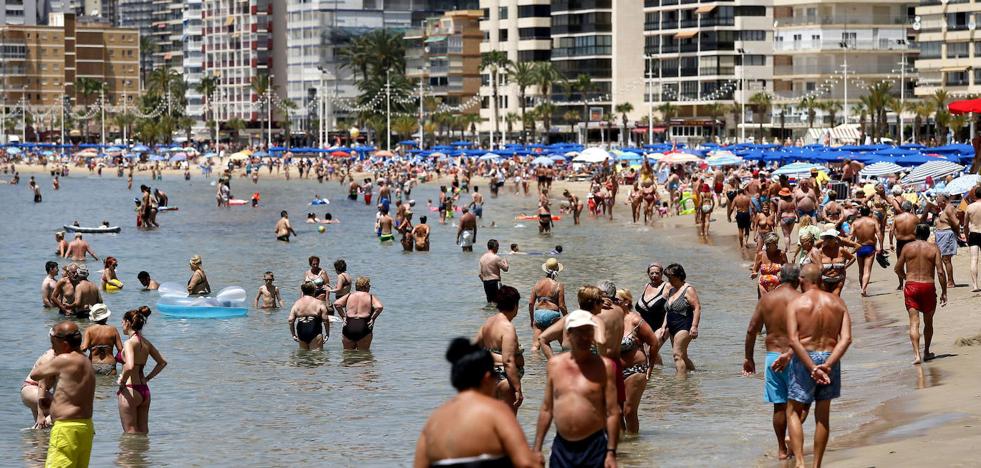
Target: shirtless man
point(149, 284)
point(787, 213)
point(820, 332)
point(946, 235)
point(498, 336)
point(807, 199)
point(359, 310)
point(62, 250)
point(86, 293)
point(308, 320)
point(575, 205)
point(64, 290)
point(283, 227)
point(466, 234)
point(71, 409)
point(865, 232)
point(269, 293)
point(580, 395)
point(833, 212)
point(420, 234)
point(972, 230)
point(49, 283)
point(916, 265)
point(491, 266)
point(904, 229)
point(741, 205)
point(771, 312)
point(385, 226)
point(78, 248)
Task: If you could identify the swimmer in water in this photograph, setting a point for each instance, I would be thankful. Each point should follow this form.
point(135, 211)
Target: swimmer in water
point(309, 321)
point(149, 284)
point(359, 310)
point(269, 293)
point(284, 228)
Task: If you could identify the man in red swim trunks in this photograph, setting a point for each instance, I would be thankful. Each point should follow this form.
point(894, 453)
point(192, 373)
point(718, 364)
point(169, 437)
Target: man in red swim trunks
point(916, 265)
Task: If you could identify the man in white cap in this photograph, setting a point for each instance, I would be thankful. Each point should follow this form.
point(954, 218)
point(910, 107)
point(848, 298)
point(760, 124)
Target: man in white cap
point(581, 396)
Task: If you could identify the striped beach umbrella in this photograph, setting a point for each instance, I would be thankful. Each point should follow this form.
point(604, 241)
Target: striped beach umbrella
point(880, 169)
point(933, 169)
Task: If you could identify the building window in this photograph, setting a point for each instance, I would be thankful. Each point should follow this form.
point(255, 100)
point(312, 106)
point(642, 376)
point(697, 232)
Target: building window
point(502, 34)
point(535, 33)
point(751, 10)
point(502, 13)
point(534, 11)
point(956, 78)
point(751, 60)
point(534, 55)
point(930, 50)
point(957, 50)
point(752, 35)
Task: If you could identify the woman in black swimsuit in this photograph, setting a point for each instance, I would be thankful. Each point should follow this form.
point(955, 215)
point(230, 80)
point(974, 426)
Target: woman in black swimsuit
point(650, 304)
point(683, 314)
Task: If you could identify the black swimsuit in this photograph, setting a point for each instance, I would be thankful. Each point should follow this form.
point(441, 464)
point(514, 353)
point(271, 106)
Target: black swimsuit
point(356, 328)
point(679, 313)
point(308, 327)
point(652, 311)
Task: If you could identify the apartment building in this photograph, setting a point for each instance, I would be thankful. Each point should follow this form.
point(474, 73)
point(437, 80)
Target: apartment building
point(815, 40)
point(704, 53)
point(522, 29)
point(20, 12)
point(445, 54)
point(949, 56)
point(41, 63)
point(239, 45)
point(600, 39)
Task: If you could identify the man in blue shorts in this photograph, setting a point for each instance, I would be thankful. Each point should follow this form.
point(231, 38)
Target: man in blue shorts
point(771, 312)
point(820, 332)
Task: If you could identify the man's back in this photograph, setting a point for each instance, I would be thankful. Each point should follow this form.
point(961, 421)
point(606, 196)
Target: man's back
point(819, 317)
point(922, 259)
point(974, 216)
point(773, 306)
point(75, 391)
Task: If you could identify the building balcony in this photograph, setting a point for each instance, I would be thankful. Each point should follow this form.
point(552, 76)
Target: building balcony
point(853, 20)
point(821, 45)
point(571, 52)
point(855, 67)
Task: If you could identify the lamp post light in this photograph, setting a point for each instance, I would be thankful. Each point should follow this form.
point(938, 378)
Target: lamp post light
point(742, 92)
point(844, 80)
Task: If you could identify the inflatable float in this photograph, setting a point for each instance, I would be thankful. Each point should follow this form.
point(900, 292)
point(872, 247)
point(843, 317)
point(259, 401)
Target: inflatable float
point(319, 201)
point(237, 202)
point(92, 230)
point(114, 285)
point(175, 302)
point(535, 218)
point(167, 208)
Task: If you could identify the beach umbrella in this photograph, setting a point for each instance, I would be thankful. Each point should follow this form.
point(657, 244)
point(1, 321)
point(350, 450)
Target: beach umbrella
point(963, 184)
point(462, 143)
point(965, 106)
point(726, 159)
point(408, 143)
point(178, 157)
point(489, 157)
point(935, 169)
point(260, 154)
point(571, 154)
point(140, 149)
point(678, 157)
point(880, 169)
point(383, 154)
point(13, 150)
point(557, 158)
point(798, 168)
point(542, 161)
point(592, 155)
point(340, 154)
point(240, 156)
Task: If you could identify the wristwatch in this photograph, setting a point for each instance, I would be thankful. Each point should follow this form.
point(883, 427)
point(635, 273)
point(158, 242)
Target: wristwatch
point(613, 450)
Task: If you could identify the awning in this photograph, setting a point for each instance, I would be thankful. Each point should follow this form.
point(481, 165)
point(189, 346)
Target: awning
point(435, 39)
point(686, 34)
point(704, 9)
point(953, 69)
point(845, 133)
point(229, 21)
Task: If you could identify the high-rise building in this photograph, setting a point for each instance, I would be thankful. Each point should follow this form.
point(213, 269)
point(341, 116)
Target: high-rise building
point(700, 55)
point(20, 11)
point(522, 29)
point(320, 29)
point(445, 53)
point(39, 65)
point(192, 61)
point(830, 49)
point(949, 58)
point(102, 8)
point(600, 39)
point(241, 45)
point(138, 14)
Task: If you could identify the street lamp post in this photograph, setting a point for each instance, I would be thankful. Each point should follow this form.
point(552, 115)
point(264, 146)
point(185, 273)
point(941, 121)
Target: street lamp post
point(23, 110)
point(650, 99)
point(102, 110)
point(742, 92)
point(902, 89)
point(844, 80)
point(388, 110)
point(269, 111)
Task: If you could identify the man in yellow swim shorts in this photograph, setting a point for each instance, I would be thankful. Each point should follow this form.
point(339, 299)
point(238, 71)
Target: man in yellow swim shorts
point(71, 436)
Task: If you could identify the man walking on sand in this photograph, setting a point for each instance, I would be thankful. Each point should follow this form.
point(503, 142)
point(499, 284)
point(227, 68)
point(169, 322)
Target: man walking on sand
point(904, 229)
point(946, 235)
point(916, 265)
point(771, 312)
point(581, 396)
point(972, 228)
point(865, 233)
point(820, 332)
point(71, 408)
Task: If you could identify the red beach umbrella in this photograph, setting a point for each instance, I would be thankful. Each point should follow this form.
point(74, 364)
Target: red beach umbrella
point(965, 106)
point(340, 154)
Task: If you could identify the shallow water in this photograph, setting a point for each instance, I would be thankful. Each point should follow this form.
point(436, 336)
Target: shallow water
point(237, 392)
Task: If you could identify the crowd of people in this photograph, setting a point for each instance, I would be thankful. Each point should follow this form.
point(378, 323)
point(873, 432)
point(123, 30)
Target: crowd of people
point(805, 233)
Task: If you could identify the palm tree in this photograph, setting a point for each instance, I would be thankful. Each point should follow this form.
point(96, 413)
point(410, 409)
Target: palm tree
point(668, 111)
point(546, 76)
point(957, 123)
point(832, 108)
point(862, 109)
point(235, 126)
point(584, 85)
point(921, 111)
point(494, 62)
point(147, 48)
point(623, 109)
point(287, 107)
point(261, 87)
point(207, 87)
point(470, 121)
point(942, 120)
point(510, 119)
point(760, 103)
point(570, 116)
point(896, 106)
point(878, 98)
point(523, 76)
point(544, 112)
point(404, 126)
point(939, 103)
point(87, 88)
point(810, 104)
point(429, 127)
point(715, 111)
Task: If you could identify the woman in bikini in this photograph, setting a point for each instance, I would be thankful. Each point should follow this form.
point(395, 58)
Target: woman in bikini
point(764, 225)
point(787, 212)
point(649, 193)
point(634, 199)
point(636, 363)
point(498, 336)
point(134, 388)
point(473, 429)
point(650, 305)
point(100, 339)
point(684, 313)
point(834, 261)
point(767, 265)
point(547, 301)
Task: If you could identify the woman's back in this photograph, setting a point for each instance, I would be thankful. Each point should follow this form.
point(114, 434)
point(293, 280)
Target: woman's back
point(460, 428)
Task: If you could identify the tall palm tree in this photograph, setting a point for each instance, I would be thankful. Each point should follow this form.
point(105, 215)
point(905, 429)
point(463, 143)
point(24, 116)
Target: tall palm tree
point(584, 85)
point(288, 107)
point(832, 108)
point(862, 109)
point(510, 119)
point(957, 123)
point(939, 102)
point(810, 105)
point(87, 88)
point(921, 111)
point(623, 109)
point(261, 86)
point(760, 103)
point(470, 121)
point(495, 62)
point(942, 120)
point(878, 98)
point(544, 112)
point(404, 126)
point(897, 107)
point(715, 111)
point(668, 111)
point(546, 76)
point(207, 87)
point(523, 76)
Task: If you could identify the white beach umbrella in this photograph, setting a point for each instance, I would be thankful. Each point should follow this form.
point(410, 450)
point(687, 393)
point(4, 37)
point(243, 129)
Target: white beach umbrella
point(935, 169)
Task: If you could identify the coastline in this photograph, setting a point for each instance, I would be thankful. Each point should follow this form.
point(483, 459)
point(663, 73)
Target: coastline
point(920, 427)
